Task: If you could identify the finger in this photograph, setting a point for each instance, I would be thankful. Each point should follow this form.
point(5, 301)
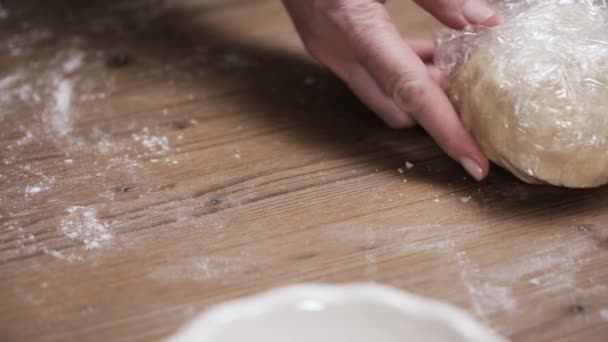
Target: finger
point(404, 77)
point(460, 13)
point(434, 73)
point(367, 90)
point(425, 49)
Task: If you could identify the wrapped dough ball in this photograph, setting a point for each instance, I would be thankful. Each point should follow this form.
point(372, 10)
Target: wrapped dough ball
point(534, 90)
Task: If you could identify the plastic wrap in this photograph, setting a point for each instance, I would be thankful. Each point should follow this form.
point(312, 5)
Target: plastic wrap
point(533, 91)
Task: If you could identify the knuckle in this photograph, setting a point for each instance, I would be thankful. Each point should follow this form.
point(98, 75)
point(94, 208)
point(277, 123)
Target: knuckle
point(447, 141)
point(357, 17)
point(314, 49)
point(318, 50)
point(401, 121)
point(408, 93)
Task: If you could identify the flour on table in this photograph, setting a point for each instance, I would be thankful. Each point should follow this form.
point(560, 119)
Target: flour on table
point(44, 103)
point(156, 145)
point(61, 120)
point(82, 225)
point(42, 186)
point(33, 189)
point(486, 298)
point(3, 12)
point(25, 139)
point(73, 62)
point(200, 269)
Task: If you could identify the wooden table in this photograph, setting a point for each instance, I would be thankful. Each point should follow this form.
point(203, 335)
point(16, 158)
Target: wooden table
point(157, 159)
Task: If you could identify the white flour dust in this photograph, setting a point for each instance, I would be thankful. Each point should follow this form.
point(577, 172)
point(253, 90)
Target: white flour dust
point(550, 269)
point(61, 115)
point(156, 145)
point(493, 298)
point(45, 91)
point(34, 189)
point(42, 186)
point(82, 225)
point(26, 243)
point(27, 138)
point(492, 288)
point(371, 266)
point(3, 12)
point(73, 61)
point(69, 257)
point(199, 269)
point(9, 81)
point(57, 100)
point(60, 119)
point(604, 314)
point(486, 298)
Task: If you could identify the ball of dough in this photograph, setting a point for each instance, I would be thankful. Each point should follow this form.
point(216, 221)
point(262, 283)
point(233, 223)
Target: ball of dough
point(534, 93)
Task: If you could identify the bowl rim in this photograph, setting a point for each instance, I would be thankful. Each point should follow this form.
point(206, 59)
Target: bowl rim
point(219, 316)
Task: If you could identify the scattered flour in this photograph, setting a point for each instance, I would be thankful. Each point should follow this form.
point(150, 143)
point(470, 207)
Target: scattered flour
point(82, 224)
point(42, 98)
point(22, 42)
point(604, 314)
point(199, 269)
point(60, 255)
point(486, 298)
point(156, 144)
point(424, 246)
point(465, 199)
point(552, 269)
point(371, 262)
point(529, 264)
point(492, 298)
point(25, 139)
point(3, 12)
point(32, 189)
point(26, 93)
point(73, 62)
point(61, 120)
point(42, 186)
point(10, 80)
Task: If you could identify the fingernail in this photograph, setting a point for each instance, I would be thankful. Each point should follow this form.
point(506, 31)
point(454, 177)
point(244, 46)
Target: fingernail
point(472, 168)
point(477, 12)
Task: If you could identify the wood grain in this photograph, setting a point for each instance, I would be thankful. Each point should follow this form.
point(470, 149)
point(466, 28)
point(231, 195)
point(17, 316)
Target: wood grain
point(224, 162)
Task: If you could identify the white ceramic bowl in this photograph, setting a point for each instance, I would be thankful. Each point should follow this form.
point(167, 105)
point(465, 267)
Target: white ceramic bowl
point(327, 313)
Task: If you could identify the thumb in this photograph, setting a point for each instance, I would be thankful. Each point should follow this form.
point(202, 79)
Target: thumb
point(459, 13)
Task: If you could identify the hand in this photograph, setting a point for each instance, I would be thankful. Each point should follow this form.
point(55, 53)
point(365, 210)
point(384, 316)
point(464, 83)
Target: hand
point(358, 41)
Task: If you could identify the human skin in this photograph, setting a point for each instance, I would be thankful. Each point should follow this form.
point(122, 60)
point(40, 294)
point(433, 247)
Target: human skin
point(358, 41)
